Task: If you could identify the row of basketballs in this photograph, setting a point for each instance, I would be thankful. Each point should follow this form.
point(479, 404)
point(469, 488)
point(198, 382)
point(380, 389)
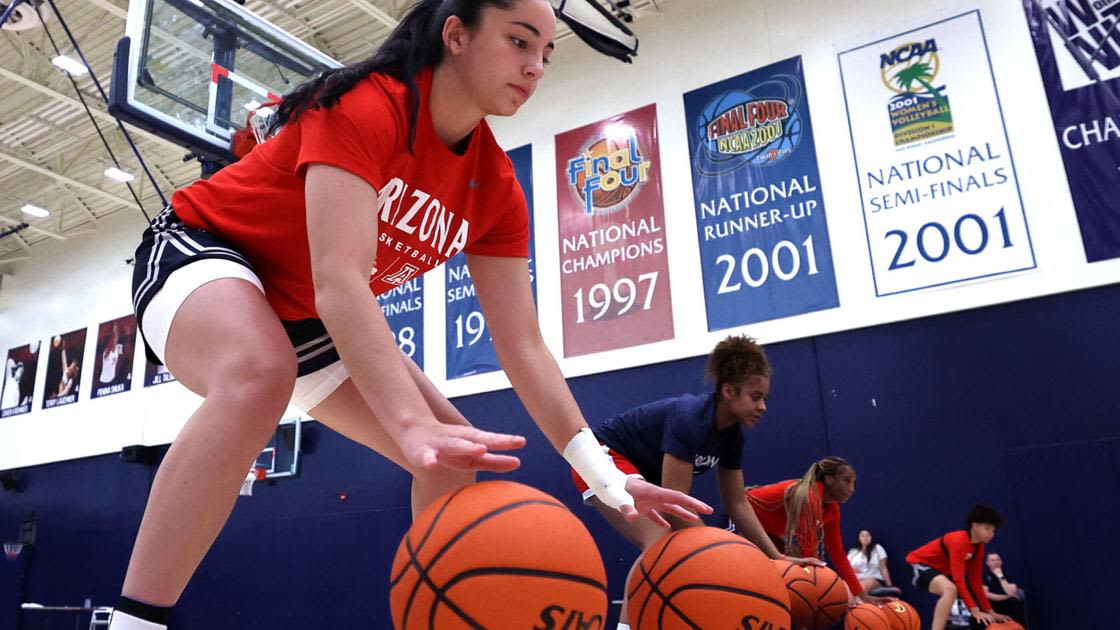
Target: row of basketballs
point(501, 555)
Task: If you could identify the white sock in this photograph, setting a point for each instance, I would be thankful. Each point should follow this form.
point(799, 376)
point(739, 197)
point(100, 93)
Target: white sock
point(623, 626)
point(125, 621)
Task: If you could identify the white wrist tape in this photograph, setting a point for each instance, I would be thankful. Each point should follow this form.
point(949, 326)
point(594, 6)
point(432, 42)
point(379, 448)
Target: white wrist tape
point(586, 456)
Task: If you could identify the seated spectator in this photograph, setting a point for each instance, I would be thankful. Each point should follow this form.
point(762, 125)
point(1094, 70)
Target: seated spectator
point(1001, 591)
point(869, 561)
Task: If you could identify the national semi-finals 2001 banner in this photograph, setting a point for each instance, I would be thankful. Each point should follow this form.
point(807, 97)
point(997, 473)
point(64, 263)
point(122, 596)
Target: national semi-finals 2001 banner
point(940, 194)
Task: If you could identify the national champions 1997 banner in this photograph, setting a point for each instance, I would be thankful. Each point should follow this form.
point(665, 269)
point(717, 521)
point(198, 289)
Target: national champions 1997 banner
point(614, 268)
point(470, 349)
point(760, 218)
point(1077, 43)
point(941, 202)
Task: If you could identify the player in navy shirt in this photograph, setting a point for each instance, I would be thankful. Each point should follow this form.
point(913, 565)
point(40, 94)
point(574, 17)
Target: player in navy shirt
point(670, 441)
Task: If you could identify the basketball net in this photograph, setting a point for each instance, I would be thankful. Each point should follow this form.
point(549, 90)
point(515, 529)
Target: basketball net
point(12, 550)
point(256, 473)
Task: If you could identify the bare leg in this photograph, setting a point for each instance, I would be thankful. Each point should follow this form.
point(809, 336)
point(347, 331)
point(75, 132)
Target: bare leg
point(946, 591)
point(227, 345)
point(642, 533)
point(346, 411)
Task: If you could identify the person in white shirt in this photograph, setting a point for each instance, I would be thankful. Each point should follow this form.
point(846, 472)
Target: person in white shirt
point(110, 357)
point(869, 561)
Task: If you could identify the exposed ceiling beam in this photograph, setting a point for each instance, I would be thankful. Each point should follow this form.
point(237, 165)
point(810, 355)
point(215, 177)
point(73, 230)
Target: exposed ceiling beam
point(59, 96)
point(32, 228)
point(105, 5)
point(376, 12)
point(69, 182)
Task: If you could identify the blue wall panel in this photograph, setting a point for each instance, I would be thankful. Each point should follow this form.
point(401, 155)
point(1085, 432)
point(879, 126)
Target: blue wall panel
point(1013, 405)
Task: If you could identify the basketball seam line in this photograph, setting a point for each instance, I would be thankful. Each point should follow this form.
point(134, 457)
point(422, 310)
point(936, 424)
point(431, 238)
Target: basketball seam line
point(423, 571)
point(427, 534)
point(660, 554)
point(524, 572)
point(731, 589)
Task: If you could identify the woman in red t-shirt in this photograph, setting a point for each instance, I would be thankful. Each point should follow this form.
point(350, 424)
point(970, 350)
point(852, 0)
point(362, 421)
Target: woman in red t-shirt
point(797, 512)
point(949, 566)
point(255, 286)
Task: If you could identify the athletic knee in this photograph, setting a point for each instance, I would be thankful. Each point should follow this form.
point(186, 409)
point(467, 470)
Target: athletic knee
point(949, 591)
point(255, 383)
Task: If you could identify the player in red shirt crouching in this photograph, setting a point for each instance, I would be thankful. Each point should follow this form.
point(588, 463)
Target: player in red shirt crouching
point(255, 286)
point(950, 567)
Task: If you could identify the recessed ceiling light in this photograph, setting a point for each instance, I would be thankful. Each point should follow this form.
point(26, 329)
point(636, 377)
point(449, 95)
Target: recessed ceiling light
point(121, 176)
point(35, 211)
point(70, 65)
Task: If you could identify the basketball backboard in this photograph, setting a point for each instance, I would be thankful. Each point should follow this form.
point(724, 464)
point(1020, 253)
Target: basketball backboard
point(191, 70)
point(280, 456)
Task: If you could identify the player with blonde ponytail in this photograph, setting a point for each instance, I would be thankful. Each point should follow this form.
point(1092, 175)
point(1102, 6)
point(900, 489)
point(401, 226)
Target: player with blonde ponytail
point(803, 515)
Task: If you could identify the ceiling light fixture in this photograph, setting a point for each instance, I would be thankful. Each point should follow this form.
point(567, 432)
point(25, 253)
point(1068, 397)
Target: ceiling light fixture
point(121, 176)
point(35, 211)
point(70, 65)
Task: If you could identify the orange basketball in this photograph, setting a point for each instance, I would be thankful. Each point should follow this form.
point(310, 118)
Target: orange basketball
point(867, 617)
point(817, 596)
point(497, 554)
point(1006, 625)
point(703, 577)
point(902, 616)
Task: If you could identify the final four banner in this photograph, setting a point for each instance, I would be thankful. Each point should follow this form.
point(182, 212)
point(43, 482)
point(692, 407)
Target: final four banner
point(614, 269)
point(112, 363)
point(941, 202)
point(64, 369)
point(764, 248)
point(19, 380)
point(1078, 47)
point(403, 306)
point(470, 350)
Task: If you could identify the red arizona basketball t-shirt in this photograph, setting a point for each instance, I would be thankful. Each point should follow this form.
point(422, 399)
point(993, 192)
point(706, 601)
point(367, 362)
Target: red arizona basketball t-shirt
point(432, 203)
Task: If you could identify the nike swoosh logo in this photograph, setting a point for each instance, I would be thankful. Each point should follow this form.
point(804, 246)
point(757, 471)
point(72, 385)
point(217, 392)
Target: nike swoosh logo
point(474, 184)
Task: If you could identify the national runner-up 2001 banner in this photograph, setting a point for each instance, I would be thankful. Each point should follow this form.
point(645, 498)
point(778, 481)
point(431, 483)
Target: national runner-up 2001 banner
point(1078, 47)
point(470, 349)
point(764, 247)
point(941, 202)
point(614, 269)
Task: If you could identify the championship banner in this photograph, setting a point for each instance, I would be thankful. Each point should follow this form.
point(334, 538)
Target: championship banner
point(19, 380)
point(1077, 43)
point(940, 195)
point(470, 350)
point(760, 218)
point(156, 374)
point(403, 306)
point(614, 269)
point(64, 369)
point(112, 364)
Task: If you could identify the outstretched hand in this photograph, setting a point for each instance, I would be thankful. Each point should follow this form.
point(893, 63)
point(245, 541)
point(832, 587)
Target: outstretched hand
point(650, 501)
point(460, 447)
point(871, 599)
point(803, 562)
